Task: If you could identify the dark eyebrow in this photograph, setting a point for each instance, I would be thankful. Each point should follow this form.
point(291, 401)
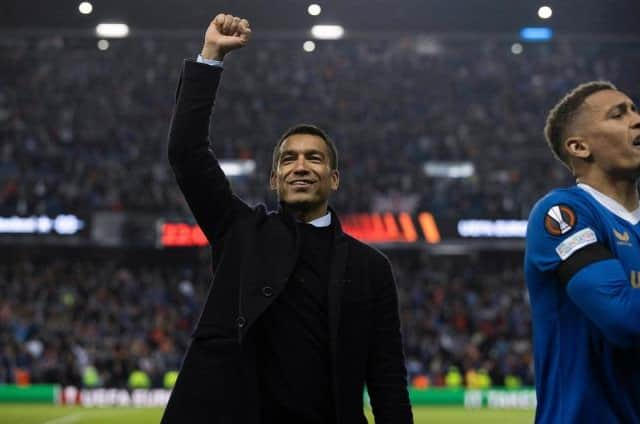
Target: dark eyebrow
point(293, 153)
point(622, 107)
point(314, 152)
point(304, 152)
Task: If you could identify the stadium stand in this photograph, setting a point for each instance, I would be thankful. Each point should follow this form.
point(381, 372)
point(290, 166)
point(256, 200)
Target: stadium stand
point(84, 130)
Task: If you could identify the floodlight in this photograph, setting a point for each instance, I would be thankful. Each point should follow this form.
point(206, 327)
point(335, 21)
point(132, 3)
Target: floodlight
point(103, 45)
point(314, 9)
point(545, 12)
point(85, 8)
point(309, 46)
point(112, 30)
point(327, 32)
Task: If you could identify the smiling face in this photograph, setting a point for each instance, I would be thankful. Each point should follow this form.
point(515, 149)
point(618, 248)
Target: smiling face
point(607, 134)
point(302, 175)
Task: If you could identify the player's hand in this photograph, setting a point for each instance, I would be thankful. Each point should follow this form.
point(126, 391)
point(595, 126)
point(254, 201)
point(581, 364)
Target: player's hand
point(225, 33)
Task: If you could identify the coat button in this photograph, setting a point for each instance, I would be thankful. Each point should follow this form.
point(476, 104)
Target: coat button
point(241, 321)
point(267, 291)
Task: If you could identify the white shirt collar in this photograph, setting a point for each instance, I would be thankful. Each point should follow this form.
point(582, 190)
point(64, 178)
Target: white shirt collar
point(613, 206)
point(323, 221)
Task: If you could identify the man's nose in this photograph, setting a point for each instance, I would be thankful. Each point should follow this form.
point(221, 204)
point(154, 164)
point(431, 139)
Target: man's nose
point(301, 165)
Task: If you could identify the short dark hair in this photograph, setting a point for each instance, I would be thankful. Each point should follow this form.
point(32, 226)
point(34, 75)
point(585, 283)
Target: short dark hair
point(562, 115)
point(311, 130)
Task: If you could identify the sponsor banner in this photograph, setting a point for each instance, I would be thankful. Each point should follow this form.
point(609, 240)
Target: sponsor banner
point(31, 393)
point(375, 228)
point(138, 398)
point(524, 398)
point(63, 225)
point(175, 234)
point(402, 228)
point(121, 229)
point(498, 398)
point(492, 228)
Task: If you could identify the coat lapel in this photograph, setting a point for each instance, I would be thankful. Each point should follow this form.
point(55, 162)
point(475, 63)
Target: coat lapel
point(338, 265)
point(337, 269)
point(270, 260)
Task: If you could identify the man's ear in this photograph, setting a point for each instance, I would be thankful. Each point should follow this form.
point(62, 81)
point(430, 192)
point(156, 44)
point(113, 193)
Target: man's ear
point(335, 179)
point(577, 147)
point(273, 179)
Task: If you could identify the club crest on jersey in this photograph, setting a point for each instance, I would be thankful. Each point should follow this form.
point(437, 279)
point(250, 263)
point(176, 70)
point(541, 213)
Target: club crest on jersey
point(560, 219)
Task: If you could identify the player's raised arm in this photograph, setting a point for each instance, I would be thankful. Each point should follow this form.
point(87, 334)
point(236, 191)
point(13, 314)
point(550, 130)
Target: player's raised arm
point(192, 158)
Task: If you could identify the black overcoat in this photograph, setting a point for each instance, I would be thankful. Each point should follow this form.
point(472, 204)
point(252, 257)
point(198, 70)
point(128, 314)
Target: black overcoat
point(254, 253)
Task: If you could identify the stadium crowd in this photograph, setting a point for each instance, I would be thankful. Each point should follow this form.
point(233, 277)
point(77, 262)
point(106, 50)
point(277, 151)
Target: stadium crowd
point(85, 130)
point(60, 317)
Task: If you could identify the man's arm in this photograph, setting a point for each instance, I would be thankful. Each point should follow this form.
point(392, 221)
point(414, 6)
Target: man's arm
point(386, 372)
point(578, 258)
point(598, 284)
point(196, 167)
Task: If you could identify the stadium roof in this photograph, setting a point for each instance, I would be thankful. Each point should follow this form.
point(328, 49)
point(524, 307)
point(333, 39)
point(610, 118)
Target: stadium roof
point(407, 16)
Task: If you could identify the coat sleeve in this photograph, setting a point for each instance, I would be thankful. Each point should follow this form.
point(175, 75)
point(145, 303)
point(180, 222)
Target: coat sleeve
point(192, 159)
point(386, 372)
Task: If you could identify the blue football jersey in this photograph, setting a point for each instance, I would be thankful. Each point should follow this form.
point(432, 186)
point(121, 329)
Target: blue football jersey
point(582, 376)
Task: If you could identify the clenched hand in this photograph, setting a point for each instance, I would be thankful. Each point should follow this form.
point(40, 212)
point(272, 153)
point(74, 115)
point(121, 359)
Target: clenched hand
point(225, 33)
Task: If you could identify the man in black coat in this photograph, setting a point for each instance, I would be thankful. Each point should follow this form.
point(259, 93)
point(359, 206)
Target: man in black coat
point(299, 316)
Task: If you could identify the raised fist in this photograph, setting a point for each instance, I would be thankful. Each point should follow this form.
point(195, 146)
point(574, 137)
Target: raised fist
point(225, 33)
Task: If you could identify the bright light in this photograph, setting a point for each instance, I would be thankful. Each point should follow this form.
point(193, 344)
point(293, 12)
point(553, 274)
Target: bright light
point(444, 169)
point(113, 30)
point(85, 8)
point(545, 12)
point(103, 45)
point(62, 224)
point(314, 9)
point(536, 34)
point(516, 48)
point(327, 32)
point(500, 228)
point(238, 167)
point(309, 46)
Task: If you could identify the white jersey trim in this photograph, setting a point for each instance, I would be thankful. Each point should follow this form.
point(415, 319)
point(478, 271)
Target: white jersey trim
point(613, 206)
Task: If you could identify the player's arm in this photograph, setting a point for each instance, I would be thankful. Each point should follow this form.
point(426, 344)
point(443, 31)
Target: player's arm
point(386, 373)
point(598, 284)
point(190, 154)
point(564, 240)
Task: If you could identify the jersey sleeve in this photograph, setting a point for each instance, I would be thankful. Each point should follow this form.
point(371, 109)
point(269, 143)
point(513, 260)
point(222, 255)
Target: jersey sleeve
point(565, 239)
point(560, 225)
point(602, 291)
